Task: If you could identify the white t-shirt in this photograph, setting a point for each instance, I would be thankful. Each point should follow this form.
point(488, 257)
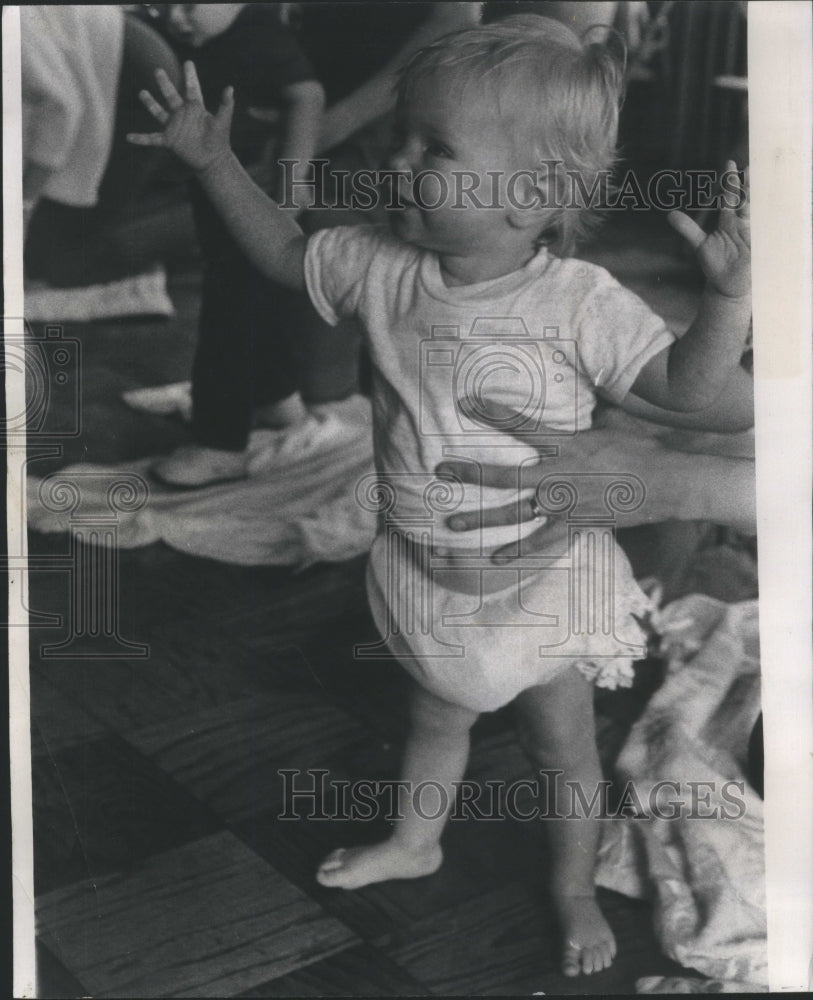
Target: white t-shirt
point(540, 341)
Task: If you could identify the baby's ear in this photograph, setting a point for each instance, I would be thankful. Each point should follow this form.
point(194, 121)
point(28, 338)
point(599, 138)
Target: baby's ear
point(530, 200)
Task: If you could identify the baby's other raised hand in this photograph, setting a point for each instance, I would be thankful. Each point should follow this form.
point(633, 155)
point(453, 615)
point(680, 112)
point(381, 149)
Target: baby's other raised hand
point(195, 136)
point(725, 254)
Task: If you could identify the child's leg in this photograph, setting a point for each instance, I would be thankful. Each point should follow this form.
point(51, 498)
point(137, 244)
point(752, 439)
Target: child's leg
point(241, 359)
point(557, 731)
point(437, 750)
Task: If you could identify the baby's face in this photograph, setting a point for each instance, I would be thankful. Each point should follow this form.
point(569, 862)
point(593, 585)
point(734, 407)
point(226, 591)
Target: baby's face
point(196, 23)
point(459, 137)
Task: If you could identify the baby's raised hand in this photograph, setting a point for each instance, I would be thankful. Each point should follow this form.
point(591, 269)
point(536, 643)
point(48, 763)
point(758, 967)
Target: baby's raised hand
point(725, 254)
point(197, 137)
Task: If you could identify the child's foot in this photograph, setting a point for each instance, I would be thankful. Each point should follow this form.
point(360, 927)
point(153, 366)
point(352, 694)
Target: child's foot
point(354, 867)
point(589, 944)
point(195, 466)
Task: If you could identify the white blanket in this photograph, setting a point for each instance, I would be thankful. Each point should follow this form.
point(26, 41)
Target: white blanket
point(705, 877)
point(296, 507)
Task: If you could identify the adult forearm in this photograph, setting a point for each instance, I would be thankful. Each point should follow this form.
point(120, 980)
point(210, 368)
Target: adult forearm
point(678, 485)
point(301, 127)
point(300, 136)
point(722, 490)
point(372, 100)
point(376, 96)
point(268, 235)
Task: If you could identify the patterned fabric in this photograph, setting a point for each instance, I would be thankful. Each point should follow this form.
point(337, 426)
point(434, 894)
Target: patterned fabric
point(704, 869)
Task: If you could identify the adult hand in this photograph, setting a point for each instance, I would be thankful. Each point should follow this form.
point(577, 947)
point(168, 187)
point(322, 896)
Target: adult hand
point(677, 485)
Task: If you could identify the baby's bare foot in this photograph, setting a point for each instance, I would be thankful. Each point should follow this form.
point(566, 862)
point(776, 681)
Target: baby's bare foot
point(589, 944)
point(354, 867)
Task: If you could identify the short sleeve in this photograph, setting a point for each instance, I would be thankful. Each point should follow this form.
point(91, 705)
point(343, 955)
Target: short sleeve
point(617, 334)
point(337, 263)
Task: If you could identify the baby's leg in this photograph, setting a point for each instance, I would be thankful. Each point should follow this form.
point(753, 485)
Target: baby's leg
point(557, 731)
point(437, 750)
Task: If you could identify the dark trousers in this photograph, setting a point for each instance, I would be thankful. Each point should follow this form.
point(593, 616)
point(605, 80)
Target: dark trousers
point(258, 342)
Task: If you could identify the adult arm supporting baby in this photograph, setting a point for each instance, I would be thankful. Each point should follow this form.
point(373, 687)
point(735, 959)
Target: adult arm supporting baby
point(303, 104)
point(269, 235)
point(722, 487)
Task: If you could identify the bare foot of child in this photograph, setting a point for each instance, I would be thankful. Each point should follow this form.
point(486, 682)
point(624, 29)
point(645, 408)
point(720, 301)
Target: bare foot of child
point(354, 867)
point(589, 944)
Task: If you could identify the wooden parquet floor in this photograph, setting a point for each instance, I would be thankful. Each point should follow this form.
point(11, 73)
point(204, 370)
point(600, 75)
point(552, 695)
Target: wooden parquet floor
point(163, 867)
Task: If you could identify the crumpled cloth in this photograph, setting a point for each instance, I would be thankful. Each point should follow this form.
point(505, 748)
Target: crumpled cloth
point(704, 877)
point(136, 295)
point(296, 507)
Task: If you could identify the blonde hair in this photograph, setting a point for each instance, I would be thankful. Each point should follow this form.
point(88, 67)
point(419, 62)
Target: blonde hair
point(564, 91)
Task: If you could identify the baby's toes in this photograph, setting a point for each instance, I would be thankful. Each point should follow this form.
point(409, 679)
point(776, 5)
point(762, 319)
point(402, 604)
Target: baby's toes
point(601, 957)
point(332, 863)
point(571, 960)
point(591, 961)
point(608, 953)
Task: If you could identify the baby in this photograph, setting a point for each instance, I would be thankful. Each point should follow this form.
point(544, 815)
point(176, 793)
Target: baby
point(491, 105)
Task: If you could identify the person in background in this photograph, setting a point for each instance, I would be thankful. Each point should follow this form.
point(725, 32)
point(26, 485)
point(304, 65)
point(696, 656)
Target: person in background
point(70, 63)
point(82, 70)
point(244, 368)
